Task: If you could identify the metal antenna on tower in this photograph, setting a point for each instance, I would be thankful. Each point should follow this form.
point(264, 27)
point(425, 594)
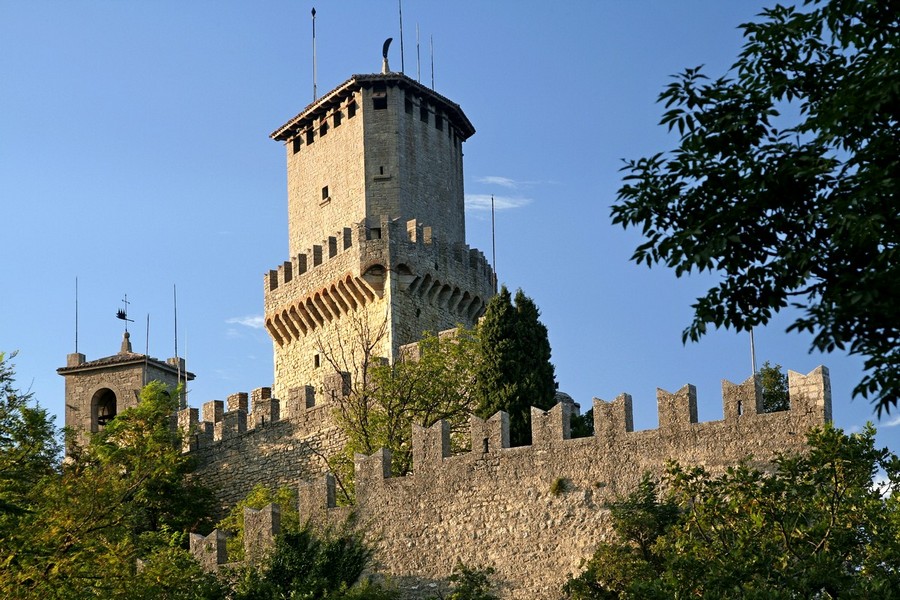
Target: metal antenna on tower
point(185, 392)
point(493, 244)
point(402, 63)
point(122, 314)
point(315, 91)
point(431, 43)
point(175, 308)
point(752, 353)
point(76, 315)
point(418, 58)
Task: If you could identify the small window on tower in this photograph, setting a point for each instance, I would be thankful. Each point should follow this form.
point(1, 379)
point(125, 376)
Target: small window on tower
point(379, 98)
point(310, 136)
point(351, 109)
point(296, 143)
point(323, 127)
point(337, 117)
point(438, 122)
point(423, 112)
point(317, 362)
point(325, 195)
point(408, 105)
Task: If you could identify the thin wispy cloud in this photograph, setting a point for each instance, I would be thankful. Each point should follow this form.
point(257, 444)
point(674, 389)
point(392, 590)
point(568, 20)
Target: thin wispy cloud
point(501, 181)
point(479, 202)
point(509, 183)
point(252, 321)
point(892, 423)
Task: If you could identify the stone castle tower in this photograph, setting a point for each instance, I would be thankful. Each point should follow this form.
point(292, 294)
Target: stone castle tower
point(376, 230)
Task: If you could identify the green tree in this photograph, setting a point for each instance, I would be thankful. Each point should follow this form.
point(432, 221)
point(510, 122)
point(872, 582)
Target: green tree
point(259, 497)
point(431, 384)
point(29, 448)
point(785, 182)
point(315, 564)
point(84, 529)
point(515, 372)
point(774, 386)
point(815, 527)
point(467, 583)
point(142, 443)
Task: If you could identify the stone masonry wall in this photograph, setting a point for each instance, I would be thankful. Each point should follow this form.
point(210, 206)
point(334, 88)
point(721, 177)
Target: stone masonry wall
point(277, 443)
point(495, 506)
point(334, 160)
point(395, 273)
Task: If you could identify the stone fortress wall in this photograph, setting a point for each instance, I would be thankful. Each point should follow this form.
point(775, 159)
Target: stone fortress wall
point(532, 513)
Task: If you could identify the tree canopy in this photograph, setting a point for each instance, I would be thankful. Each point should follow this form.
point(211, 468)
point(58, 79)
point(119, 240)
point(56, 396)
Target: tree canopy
point(514, 372)
point(774, 385)
point(785, 182)
point(78, 529)
point(818, 526)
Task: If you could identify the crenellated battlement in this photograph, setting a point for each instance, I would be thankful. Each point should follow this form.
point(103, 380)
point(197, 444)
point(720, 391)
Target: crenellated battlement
point(263, 423)
point(243, 414)
point(349, 270)
point(531, 510)
point(371, 242)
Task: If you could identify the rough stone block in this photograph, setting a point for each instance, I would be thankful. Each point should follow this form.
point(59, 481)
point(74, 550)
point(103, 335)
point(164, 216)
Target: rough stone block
point(260, 528)
point(613, 419)
point(678, 410)
point(741, 399)
point(209, 550)
point(238, 402)
point(430, 446)
point(551, 427)
point(213, 411)
point(491, 435)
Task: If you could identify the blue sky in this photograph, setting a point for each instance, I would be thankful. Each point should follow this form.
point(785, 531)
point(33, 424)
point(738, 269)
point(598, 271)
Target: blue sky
point(134, 155)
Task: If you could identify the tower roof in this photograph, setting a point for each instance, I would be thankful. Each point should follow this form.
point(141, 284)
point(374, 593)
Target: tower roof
point(124, 357)
point(309, 114)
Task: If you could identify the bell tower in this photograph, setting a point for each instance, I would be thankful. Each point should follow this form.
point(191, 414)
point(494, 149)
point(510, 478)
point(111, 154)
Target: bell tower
point(376, 227)
point(98, 390)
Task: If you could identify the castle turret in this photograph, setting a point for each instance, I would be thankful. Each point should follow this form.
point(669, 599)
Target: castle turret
point(376, 227)
point(97, 390)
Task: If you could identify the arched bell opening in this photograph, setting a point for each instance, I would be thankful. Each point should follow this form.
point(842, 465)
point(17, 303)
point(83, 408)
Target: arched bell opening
point(103, 408)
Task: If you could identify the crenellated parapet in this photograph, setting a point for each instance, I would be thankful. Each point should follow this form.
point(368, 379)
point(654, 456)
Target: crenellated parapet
point(216, 424)
point(526, 511)
point(349, 270)
point(243, 414)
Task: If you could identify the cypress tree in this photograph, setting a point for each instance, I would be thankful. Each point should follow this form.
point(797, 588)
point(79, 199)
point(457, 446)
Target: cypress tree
point(515, 372)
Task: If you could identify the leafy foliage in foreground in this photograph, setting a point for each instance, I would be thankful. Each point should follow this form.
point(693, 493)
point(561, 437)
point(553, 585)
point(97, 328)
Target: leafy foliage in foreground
point(77, 530)
point(314, 564)
point(786, 181)
point(259, 497)
point(817, 527)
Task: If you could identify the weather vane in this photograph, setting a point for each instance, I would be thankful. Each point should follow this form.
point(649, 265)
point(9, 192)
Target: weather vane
point(122, 313)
